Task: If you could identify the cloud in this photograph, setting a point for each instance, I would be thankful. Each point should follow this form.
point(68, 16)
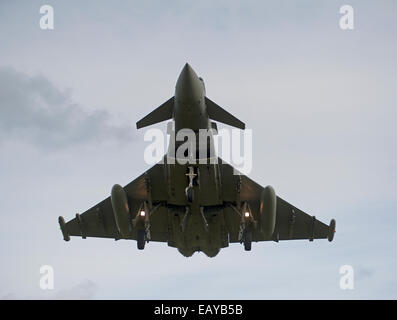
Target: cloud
point(83, 291)
point(321, 102)
point(34, 110)
point(364, 273)
point(9, 296)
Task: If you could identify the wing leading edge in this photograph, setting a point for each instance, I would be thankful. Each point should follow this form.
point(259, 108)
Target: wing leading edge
point(291, 222)
point(99, 221)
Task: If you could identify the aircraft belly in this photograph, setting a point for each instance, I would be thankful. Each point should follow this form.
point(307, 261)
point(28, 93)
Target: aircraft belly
point(189, 231)
point(209, 186)
point(195, 235)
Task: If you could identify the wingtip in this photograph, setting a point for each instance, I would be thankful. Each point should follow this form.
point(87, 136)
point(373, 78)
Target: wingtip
point(331, 230)
point(63, 227)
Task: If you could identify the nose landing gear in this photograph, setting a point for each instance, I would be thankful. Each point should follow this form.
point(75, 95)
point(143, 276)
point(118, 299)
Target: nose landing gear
point(189, 191)
point(189, 194)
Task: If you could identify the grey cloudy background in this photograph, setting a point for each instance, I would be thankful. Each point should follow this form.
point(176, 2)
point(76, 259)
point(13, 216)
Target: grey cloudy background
point(321, 103)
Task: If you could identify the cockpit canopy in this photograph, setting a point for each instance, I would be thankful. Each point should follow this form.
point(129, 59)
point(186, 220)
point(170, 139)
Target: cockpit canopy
point(202, 81)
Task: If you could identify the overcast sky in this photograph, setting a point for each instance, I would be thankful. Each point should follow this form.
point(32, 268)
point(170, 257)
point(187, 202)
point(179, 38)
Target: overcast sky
point(321, 103)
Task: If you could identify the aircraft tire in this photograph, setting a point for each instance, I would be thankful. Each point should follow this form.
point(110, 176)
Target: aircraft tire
point(141, 239)
point(247, 241)
point(190, 194)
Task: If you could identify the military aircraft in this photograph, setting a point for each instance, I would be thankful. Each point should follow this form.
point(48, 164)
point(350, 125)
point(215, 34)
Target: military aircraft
point(197, 205)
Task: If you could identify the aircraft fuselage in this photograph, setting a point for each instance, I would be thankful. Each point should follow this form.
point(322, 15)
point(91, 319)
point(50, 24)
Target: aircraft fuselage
point(198, 230)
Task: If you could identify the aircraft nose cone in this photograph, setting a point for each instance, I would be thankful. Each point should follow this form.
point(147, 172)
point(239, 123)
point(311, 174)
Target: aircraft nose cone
point(187, 76)
point(187, 69)
point(188, 84)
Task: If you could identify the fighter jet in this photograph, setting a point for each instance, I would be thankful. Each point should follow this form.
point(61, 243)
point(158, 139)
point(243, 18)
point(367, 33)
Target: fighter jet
point(194, 205)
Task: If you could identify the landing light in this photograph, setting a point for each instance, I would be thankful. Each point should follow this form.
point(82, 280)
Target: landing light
point(247, 214)
point(143, 213)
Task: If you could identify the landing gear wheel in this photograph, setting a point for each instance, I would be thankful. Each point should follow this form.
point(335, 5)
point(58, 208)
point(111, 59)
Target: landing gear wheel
point(190, 194)
point(141, 239)
point(247, 241)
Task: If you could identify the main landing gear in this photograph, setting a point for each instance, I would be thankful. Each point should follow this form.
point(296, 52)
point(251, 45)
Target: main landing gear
point(142, 223)
point(247, 225)
point(247, 240)
point(141, 239)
